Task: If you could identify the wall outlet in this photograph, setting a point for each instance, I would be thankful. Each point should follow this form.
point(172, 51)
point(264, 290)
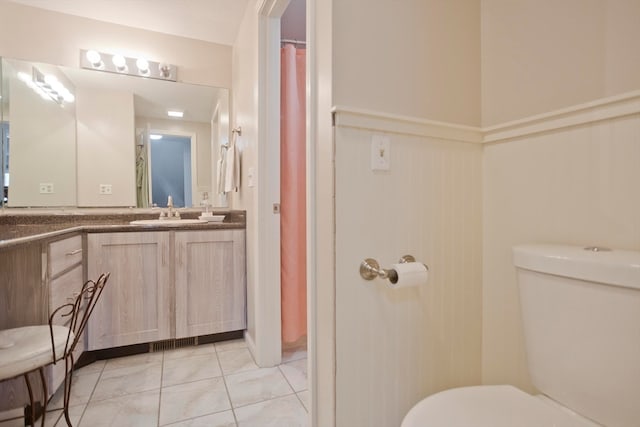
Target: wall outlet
point(380, 152)
point(46, 188)
point(105, 189)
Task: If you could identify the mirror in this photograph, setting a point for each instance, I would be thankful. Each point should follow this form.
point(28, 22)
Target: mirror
point(95, 149)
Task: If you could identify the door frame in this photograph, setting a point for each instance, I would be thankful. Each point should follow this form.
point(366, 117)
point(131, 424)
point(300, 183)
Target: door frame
point(320, 204)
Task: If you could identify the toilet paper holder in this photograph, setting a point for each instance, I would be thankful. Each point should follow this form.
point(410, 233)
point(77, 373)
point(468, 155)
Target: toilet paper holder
point(370, 269)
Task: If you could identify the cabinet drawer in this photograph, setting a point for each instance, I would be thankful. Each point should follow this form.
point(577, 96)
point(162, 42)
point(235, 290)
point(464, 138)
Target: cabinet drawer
point(63, 287)
point(64, 253)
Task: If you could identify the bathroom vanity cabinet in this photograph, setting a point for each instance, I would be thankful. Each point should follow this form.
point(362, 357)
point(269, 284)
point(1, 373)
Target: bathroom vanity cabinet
point(167, 284)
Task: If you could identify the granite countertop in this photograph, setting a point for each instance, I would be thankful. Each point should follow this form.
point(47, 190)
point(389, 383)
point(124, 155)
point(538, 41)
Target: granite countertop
point(19, 226)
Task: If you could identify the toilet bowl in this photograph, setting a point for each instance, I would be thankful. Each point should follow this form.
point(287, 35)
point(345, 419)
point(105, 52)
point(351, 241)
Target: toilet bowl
point(490, 406)
point(581, 318)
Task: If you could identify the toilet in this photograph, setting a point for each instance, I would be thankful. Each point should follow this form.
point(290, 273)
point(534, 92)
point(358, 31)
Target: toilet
point(581, 317)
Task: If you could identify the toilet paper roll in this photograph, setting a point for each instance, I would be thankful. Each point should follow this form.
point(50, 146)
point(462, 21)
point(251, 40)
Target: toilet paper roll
point(409, 274)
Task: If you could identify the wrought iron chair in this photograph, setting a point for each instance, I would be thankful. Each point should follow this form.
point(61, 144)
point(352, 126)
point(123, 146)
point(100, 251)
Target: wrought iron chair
point(28, 349)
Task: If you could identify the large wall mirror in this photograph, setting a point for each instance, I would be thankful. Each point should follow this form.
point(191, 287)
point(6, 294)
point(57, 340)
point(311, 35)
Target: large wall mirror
point(106, 139)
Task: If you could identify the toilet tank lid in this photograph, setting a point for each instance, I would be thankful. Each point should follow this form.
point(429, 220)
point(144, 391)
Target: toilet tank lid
point(613, 267)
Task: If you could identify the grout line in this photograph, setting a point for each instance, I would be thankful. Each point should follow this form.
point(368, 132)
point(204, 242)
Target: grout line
point(301, 402)
point(161, 385)
point(285, 378)
point(57, 420)
point(95, 386)
point(224, 381)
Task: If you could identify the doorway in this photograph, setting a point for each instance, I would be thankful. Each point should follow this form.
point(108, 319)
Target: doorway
point(171, 168)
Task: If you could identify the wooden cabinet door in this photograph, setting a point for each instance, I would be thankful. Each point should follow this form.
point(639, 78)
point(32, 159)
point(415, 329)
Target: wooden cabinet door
point(210, 282)
point(135, 306)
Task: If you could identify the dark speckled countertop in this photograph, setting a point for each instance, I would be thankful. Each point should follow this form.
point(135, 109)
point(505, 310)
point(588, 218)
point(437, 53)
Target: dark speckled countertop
point(18, 226)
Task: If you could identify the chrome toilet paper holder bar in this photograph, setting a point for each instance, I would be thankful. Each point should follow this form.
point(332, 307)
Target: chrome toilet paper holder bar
point(370, 269)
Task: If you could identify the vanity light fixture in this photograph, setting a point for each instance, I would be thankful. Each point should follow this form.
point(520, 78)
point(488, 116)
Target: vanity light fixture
point(173, 113)
point(47, 86)
point(155, 137)
point(119, 64)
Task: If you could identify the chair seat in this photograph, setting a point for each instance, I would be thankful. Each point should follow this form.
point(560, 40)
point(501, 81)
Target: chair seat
point(27, 348)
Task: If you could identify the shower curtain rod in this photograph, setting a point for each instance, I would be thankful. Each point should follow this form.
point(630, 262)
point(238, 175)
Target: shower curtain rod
point(293, 41)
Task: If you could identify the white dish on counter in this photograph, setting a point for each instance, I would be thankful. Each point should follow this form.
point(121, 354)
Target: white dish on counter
point(212, 218)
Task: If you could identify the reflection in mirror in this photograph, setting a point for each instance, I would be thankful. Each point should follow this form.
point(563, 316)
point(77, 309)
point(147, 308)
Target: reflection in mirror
point(40, 128)
point(171, 172)
point(96, 150)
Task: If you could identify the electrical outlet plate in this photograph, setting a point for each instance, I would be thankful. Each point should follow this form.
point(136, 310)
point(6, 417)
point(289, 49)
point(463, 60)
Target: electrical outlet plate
point(105, 189)
point(380, 152)
point(46, 188)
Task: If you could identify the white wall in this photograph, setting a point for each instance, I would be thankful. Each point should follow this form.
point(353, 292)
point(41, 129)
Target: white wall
point(321, 212)
point(539, 56)
point(568, 176)
point(244, 113)
point(394, 347)
point(419, 61)
point(106, 147)
point(413, 57)
point(574, 185)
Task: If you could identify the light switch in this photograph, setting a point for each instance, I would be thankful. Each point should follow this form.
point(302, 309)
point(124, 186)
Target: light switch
point(250, 177)
point(380, 152)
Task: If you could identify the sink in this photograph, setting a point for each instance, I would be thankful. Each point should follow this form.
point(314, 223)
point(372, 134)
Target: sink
point(167, 222)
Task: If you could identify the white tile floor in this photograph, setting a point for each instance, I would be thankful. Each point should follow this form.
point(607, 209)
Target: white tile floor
point(212, 385)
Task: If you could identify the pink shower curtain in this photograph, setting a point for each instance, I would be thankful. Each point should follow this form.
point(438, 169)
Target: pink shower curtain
point(292, 194)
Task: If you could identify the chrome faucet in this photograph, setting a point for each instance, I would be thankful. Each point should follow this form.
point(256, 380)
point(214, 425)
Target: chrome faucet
point(171, 212)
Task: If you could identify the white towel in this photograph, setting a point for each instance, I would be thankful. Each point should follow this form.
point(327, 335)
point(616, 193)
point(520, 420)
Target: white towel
point(232, 170)
point(222, 166)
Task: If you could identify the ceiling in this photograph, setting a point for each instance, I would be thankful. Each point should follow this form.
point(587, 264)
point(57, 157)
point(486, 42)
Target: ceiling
point(215, 21)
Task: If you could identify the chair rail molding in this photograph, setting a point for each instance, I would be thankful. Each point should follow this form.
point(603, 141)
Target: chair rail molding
point(621, 105)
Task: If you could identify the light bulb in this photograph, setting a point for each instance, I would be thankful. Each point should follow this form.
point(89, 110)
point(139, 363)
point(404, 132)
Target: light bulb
point(119, 62)
point(68, 97)
point(50, 79)
point(24, 76)
point(155, 137)
point(143, 65)
point(57, 86)
point(165, 70)
point(94, 58)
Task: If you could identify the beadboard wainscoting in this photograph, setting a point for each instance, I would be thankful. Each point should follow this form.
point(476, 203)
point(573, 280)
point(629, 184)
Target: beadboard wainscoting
point(394, 347)
point(569, 176)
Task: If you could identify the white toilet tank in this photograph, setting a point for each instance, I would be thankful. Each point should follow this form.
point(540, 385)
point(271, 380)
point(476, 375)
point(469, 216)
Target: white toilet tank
point(581, 315)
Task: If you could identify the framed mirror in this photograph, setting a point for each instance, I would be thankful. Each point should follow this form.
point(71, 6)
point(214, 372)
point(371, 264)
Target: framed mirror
point(94, 149)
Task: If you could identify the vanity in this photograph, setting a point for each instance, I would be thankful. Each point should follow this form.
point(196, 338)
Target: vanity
point(169, 283)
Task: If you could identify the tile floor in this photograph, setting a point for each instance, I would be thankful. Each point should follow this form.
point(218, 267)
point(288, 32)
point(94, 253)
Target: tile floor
point(212, 385)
